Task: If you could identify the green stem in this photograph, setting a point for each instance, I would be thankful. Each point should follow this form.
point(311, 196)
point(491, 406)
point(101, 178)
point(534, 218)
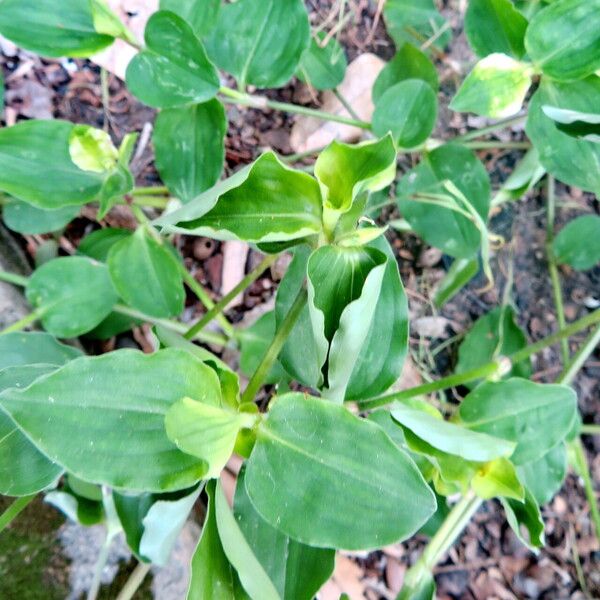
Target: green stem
point(221, 305)
point(203, 296)
point(14, 510)
point(234, 97)
point(579, 358)
point(24, 322)
point(345, 104)
point(160, 190)
point(483, 372)
point(135, 580)
point(477, 145)
point(487, 370)
point(99, 567)
point(552, 268)
point(281, 335)
point(590, 429)
point(583, 469)
point(202, 336)
point(14, 278)
point(471, 135)
point(439, 544)
point(150, 201)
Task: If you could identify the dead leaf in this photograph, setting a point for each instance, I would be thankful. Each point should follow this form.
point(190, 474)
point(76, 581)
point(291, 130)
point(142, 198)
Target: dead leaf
point(431, 327)
point(235, 254)
point(309, 133)
point(33, 100)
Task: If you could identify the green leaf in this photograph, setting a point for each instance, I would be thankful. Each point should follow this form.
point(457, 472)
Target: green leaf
point(493, 335)
point(20, 349)
point(24, 469)
point(535, 416)
point(189, 147)
point(322, 456)
point(424, 590)
point(524, 177)
point(298, 571)
point(343, 290)
point(458, 276)
point(578, 243)
point(450, 437)
point(563, 39)
point(107, 22)
point(200, 14)
point(79, 510)
point(92, 149)
point(439, 226)
point(252, 576)
point(117, 183)
point(152, 522)
point(147, 275)
point(495, 26)
point(173, 69)
point(28, 219)
point(497, 478)
point(104, 435)
point(571, 160)
point(97, 244)
point(213, 577)
point(263, 202)
point(348, 173)
point(323, 67)
point(408, 110)
point(496, 87)
point(74, 294)
point(379, 362)
point(28, 173)
point(206, 431)
point(254, 342)
point(260, 42)
point(42, 27)
point(525, 515)
point(415, 21)
point(545, 476)
point(575, 123)
point(408, 63)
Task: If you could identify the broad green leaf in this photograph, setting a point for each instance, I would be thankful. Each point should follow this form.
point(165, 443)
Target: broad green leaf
point(497, 478)
point(323, 456)
point(35, 165)
point(252, 576)
point(443, 227)
point(173, 69)
point(545, 476)
point(450, 437)
point(263, 202)
point(525, 514)
point(298, 571)
point(107, 22)
point(535, 416)
point(254, 342)
point(147, 275)
point(91, 149)
point(348, 173)
point(260, 42)
point(322, 67)
point(458, 276)
point(97, 244)
point(50, 30)
point(200, 14)
point(571, 160)
point(563, 39)
point(578, 243)
point(206, 431)
point(408, 110)
point(213, 577)
point(493, 335)
point(343, 289)
point(382, 354)
point(152, 522)
point(189, 147)
point(26, 218)
point(575, 123)
point(74, 295)
point(24, 469)
point(106, 432)
point(496, 87)
point(495, 26)
point(80, 510)
point(408, 63)
point(415, 21)
point(20, 349)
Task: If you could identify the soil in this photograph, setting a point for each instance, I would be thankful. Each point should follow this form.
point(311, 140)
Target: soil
point(488, 562)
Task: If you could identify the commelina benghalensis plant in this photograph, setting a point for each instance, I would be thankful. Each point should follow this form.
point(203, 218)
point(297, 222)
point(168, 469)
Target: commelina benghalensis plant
point(134, 439)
